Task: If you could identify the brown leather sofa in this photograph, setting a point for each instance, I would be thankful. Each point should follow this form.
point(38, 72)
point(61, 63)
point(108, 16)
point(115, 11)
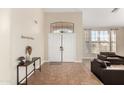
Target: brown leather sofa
point(111, 57)
point(107, 76)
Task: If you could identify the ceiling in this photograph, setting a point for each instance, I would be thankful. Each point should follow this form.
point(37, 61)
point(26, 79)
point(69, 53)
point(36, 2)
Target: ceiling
point(96, 17)
point(103, 17)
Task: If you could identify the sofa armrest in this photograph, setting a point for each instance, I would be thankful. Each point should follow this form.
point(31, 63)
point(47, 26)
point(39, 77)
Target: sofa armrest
point(120, 56)
point(102, 57)
point(113, 76)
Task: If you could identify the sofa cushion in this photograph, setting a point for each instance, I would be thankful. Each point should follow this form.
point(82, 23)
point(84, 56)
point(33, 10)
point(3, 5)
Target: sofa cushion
point(107, 63)
point(116, 67)
point(110, 54)
point(114, 58)
point(101, 62)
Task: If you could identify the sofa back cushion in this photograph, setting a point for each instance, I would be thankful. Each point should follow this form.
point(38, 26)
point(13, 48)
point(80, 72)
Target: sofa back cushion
point(109, 54)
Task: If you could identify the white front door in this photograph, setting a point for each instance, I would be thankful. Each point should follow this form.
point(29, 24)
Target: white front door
point(69, 47)
point(54, 53)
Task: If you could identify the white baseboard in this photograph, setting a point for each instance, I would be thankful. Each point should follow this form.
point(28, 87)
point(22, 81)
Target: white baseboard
point(5, 83)
point(66, 61)
point(42, 62)
point(78, 61)
point(88, 58)
point(46, 61)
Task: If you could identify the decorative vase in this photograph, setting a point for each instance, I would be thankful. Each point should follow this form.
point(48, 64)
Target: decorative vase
point(28, 53)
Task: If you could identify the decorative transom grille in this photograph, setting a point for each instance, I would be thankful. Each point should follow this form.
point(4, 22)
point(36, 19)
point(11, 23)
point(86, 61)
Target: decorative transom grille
point(62, 27)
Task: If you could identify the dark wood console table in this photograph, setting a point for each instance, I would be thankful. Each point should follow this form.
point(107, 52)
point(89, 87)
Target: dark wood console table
point(26, 64)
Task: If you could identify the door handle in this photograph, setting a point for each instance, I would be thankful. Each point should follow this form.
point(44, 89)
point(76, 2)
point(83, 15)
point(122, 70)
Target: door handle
point(61, 48)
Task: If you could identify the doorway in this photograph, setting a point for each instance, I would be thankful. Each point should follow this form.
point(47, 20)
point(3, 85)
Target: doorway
point(61, 47)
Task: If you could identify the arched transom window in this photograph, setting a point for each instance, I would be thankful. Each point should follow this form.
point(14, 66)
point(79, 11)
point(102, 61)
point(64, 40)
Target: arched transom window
point(62, 27)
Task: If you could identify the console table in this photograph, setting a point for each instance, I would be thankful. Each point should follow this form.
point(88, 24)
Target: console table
point(26, 64)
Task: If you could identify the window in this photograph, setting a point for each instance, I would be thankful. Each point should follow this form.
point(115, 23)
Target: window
point(62, 27)
point(100, 41)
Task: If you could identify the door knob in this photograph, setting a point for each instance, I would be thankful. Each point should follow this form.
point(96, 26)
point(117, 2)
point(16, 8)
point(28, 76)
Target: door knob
point(61, 48)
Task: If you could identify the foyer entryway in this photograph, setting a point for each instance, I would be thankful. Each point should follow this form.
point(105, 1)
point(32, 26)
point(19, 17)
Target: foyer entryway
point(61, 47)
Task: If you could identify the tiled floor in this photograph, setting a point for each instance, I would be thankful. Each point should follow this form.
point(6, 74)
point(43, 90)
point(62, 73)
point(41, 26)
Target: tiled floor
point(64, 74)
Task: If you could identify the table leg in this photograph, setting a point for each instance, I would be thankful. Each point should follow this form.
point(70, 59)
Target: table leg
point(34, 66)
point(17, 75)
point(26, 76)
point(40, 64)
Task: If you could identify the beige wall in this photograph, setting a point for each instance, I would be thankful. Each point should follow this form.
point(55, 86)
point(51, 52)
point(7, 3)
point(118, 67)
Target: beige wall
point(120, 41)
point(22, 23)
point(5, 46)
point(13, 24)
point(74, 17)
